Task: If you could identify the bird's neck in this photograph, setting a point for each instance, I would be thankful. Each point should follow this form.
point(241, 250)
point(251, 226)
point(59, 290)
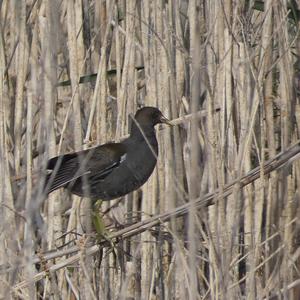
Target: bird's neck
point(140, 132)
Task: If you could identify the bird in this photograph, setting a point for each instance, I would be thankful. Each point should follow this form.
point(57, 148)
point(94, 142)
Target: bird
point(110, 170)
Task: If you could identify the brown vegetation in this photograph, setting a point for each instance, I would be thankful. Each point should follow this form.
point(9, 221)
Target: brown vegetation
point(218, 219)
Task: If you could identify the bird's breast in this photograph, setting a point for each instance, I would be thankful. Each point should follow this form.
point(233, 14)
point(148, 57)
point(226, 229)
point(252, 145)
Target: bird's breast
point(134, 171)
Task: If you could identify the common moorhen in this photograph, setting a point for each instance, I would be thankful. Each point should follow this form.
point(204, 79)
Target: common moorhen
point(110, 170)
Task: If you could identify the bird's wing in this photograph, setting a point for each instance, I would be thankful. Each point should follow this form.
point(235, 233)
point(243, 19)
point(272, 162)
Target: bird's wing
point(95, 163)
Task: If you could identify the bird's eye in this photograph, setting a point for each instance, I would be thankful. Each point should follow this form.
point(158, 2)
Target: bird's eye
point(155, 115)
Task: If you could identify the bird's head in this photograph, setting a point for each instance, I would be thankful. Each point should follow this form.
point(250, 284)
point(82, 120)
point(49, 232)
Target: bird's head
point(150, 116)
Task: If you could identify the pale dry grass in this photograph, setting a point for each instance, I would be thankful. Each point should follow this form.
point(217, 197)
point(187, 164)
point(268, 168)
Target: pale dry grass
point(218, 219)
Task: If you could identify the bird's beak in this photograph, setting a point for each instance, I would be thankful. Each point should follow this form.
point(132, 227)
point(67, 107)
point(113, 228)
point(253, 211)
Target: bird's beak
point(165, 120)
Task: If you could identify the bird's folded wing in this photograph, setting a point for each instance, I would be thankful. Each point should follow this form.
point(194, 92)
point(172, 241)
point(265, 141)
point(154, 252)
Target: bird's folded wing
point(94, 163)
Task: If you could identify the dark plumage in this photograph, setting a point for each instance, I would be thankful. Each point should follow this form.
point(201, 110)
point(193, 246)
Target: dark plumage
point(111, 170)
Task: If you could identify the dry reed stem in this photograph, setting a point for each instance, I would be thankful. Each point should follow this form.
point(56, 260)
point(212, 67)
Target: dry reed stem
point(197, 56)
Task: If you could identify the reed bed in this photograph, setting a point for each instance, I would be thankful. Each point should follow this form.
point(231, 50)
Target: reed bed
point(218, 219)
